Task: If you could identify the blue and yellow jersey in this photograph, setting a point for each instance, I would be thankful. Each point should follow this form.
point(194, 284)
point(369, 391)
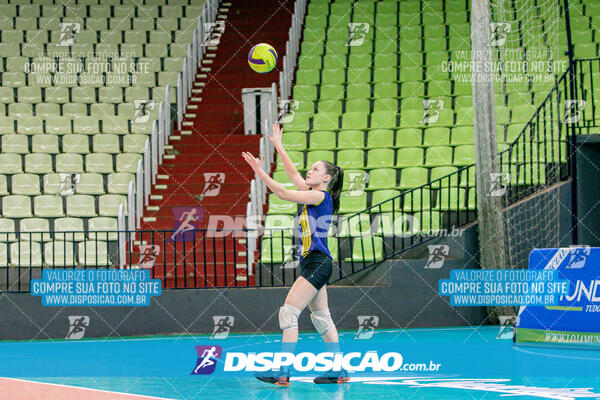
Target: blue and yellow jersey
point(314, 221)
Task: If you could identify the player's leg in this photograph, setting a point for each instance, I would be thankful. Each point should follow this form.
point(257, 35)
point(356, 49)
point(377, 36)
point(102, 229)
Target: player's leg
point(321, 318)
point(298, 297)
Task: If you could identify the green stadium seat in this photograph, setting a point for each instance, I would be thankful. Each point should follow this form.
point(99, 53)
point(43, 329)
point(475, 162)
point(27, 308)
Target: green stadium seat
point(358, 105)
point(27, 184)
point(99, 162)
point(75, 144)
point(69, 229)
point(326, 121)
point(127, 162)
point(464, 154)
point(384, 119)
point(351, 139)
point(38, 163)
point(409, 157)
point(438, 156)
point(103, 228)
point(442, 173)
point(322, 140)
point(17, 144)
point(436, 137)
point(380, 138)
point(352, 204)
point(293, 140)
point(354, 120)
point(81, 205)
point(382, 178)
point(380, 158)
point(413, 177)
point(415, 200)
point(330, 106)
point(26, 254)
point(367, 249)
point(350, 159)
point(381, 196)
point(279, 225)
point(90, 183)
point(451, 199)
point(354, 225)
point(35, 229)
point(93, 253)
point(59, 254)
point(273, 249)
point(10, 163)
point(6, 226)
point(278, 206)
point(318, 155)
point(48, 206)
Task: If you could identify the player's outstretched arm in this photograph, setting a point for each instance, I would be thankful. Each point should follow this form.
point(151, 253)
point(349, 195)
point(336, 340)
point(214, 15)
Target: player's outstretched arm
point(297, 196)
point(288, 165)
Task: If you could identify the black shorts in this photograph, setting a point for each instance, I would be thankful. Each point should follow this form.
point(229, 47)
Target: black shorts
point(316, 267)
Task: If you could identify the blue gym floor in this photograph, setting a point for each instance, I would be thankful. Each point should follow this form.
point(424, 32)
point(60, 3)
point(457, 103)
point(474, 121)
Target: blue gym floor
point(475, 365)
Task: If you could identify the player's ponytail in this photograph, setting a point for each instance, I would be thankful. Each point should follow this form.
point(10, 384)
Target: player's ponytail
point(335, 183)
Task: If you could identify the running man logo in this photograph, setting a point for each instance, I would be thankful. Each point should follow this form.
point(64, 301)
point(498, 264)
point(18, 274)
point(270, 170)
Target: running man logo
point(290, 261)
point(499, 32)
point(213, 32)
point(148, 254)
point(507, 330)
point(573, 111)
point(68, 184)
point(498, 183)
point(431, 110)
point(577, 257)
point(77, 325)
point(287, 111)
point(222, 326)
point(437, 255)
point(186, 219)
point(207, 359)
point(366, 326)
point(357, 32)
point(142, 111)
point(357, 183)
point(212, 183)
point(68, 33)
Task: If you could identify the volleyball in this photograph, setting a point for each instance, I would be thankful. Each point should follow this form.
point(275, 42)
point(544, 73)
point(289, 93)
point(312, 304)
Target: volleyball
point(262, 58)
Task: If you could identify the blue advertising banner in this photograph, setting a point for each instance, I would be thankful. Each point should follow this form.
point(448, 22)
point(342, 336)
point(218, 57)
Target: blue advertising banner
point(575, 319)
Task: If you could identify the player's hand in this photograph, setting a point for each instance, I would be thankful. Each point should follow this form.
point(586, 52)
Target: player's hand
point(255, 163)
point(275, 137)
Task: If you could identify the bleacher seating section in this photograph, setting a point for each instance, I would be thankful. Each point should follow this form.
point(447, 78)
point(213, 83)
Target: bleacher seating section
point(362, 107)
point(71, 74)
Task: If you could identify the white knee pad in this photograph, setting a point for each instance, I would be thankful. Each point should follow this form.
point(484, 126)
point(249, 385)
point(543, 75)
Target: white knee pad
point(288, 317)
point(322, 321)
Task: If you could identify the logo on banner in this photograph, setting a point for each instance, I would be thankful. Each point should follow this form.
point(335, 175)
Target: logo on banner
point(77, 325)
point(68, 184)
point(148, 254)
point(142, 111)
point(498, 183)
point(213, 32)
point(68, 33)
point(366, 326)
point(577, 257)
point(499, 32)
point(431, 110)
point(212, 183)
point(207, 359)
point(222, 326)
point(186, 219)
point(287, 111)
point(357, 183)
point(507, 330)
point(573, 109)
point(437, 255)
point(357, 33)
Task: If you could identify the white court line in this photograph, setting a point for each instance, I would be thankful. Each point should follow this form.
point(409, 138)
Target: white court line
point(86, 388)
